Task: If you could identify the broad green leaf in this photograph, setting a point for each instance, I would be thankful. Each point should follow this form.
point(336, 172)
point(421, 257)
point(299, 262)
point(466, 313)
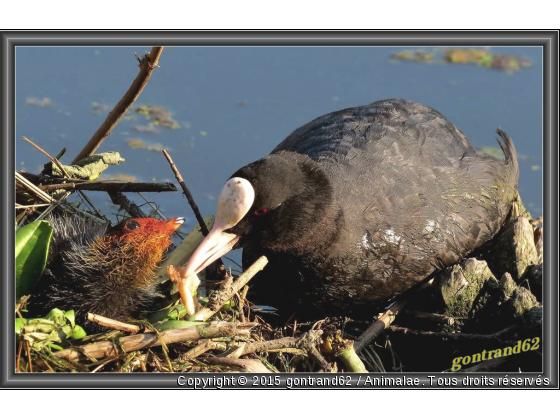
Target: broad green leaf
point(55, 346)
point(20, 323)
point(78, 332)
point(69, 315)
point(32, 248)
point(174, 312)
point(57, 316)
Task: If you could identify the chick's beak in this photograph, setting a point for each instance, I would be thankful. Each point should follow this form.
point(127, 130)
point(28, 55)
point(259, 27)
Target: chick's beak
point(171, 225)
point(235, 200)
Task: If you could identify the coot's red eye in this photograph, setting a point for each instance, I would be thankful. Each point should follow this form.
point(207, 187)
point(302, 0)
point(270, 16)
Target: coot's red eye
point(261, 211)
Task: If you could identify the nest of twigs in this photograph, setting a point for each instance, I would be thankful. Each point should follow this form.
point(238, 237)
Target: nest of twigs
point(489, 302)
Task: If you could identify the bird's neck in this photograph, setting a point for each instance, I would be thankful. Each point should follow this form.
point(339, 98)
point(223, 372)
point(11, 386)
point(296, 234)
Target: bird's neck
point(315, 220)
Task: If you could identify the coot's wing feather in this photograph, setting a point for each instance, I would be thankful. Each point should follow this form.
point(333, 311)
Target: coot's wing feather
point(373, 128)
point(416, 195)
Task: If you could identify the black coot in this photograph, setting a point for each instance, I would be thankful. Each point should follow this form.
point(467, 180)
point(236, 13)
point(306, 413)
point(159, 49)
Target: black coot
point(361, 204)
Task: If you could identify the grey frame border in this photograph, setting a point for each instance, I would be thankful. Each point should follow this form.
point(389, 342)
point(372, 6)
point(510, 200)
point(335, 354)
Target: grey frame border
point(547, 39)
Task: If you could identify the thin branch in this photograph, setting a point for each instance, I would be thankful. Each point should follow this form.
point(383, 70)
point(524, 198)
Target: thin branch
point(104, 349)
point(97, 212)
point(57, 163)
point(304, 342)
point(52, 159)
point(131, 208)
point(201, 348)
point(497, 336)
point(430, 317)
point(147, 66)
point(41, 179)
point(33, 189)
point(28, 351)
point(114, 186)
point(241, 305)
point(190, 199)
point(243, 365)
point(22, 301)
point(20, 347)
point(385, 320)
point(228, 290)
point(113, 324)
point(102, 365)
point(31, 206)
point(155, 209)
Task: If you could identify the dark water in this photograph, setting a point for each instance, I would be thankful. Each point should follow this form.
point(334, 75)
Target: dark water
point(235, 104)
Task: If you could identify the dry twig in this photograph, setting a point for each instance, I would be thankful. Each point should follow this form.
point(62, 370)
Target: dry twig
point(113, 186)
point(201, 348)
point(430, 317)
point(385, 320)
point(131, 208)
point(113, 324)
point(190, 199)
point(102, 365)
point(33, 189)
point(244, 365)
point(497, 336)
point(147, 66)
point(52, 159)
point(104, 349)
point(304, 342)
point(228, 289)
point(57, 163)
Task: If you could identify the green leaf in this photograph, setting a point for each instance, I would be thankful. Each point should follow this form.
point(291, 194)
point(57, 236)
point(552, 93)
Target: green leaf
point(77, 333)
point(173, 312)
point(174, 324)
point(32, 248)
point(57, 316)
point(69, 315)
point(20, 323)
point(55, 346)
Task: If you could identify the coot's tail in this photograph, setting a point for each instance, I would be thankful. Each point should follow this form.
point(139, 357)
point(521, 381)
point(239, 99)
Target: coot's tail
point(509, 152)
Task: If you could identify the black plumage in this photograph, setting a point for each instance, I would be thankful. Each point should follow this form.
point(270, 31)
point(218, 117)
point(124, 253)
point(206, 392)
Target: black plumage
point(364, 203)
point(359, 205)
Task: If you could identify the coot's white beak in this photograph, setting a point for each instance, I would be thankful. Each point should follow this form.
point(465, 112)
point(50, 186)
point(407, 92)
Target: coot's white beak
point(235, 200)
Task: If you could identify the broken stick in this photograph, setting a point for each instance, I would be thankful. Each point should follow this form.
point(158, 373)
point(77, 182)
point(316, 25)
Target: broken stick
point(385, 320)
point(228, 290)
point(190, 199)
point(147, 66)
point(104, 349)
point(113, 324)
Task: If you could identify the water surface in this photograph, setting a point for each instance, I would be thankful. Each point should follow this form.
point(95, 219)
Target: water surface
point(235, 104)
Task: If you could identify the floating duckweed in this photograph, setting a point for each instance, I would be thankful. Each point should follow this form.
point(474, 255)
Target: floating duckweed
point(158, 115)
point(481, 57)
point(136, 144)
point(45, 102)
